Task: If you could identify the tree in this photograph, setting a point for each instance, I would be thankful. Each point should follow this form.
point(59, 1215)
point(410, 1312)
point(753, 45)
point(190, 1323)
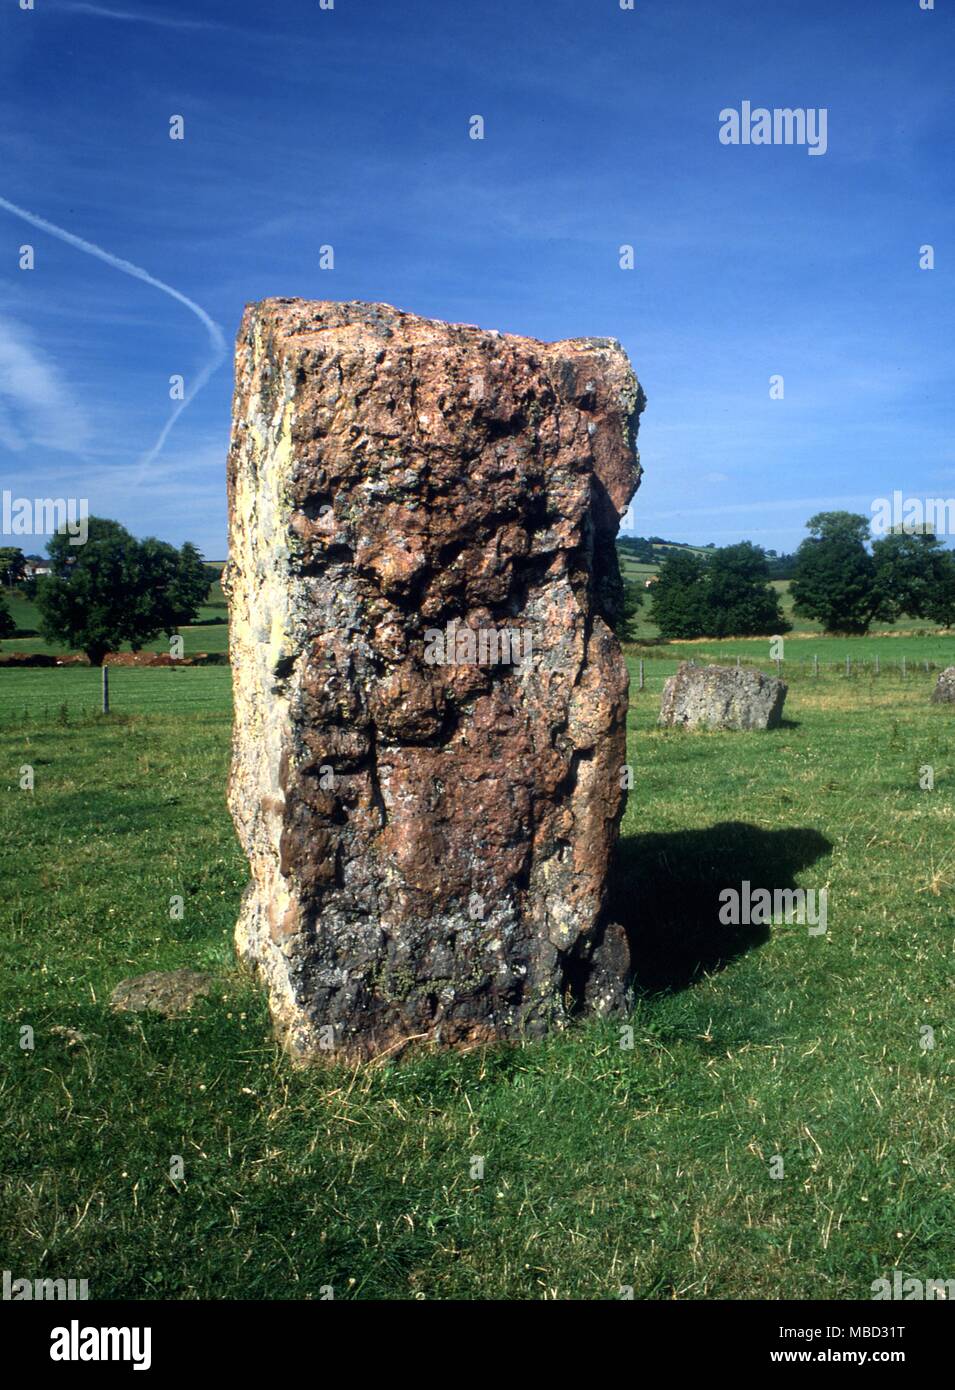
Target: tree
point(740, 600)
point(626, 604)
point(12, 562)
point(915, 575)
point(115, 589)
point(725, 593)
point(941, 605)
point(629, 612)
point(191, 585)
point(838, 581)
point(7, 625)
point(678, 605)
point(834, 576)
point(172, 584)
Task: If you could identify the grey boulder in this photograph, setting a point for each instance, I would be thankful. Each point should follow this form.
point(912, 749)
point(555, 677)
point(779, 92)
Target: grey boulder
point(721, 697)
point(944, 692)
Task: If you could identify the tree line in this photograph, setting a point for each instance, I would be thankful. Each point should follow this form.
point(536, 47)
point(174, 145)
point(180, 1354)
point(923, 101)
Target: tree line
point(839, 576)
point(116, 589)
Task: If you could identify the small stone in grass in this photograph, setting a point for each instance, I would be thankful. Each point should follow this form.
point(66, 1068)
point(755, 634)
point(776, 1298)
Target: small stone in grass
point(168, 992)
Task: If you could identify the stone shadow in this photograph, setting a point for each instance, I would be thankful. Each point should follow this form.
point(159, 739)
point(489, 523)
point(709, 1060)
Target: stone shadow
point(665, 890)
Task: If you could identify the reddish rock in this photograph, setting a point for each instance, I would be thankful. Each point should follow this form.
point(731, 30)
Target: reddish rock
point(429, 701)
point(153, 659)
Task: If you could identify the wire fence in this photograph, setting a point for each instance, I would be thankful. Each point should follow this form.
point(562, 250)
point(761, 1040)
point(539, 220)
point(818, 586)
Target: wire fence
point(44, 694)
point(650, 673)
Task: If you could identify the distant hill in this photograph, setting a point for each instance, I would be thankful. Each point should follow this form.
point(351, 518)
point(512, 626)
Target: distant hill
point(652, 550)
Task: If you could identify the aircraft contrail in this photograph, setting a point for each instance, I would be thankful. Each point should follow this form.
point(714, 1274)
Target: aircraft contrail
point(212, 328)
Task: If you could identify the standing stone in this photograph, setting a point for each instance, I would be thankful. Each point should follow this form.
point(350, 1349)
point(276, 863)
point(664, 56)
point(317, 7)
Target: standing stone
point(429, 700)
point(944, 692)
point(721, 697)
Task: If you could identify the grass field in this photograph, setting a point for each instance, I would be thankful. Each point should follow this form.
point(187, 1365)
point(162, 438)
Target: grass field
point(604, 1166)
point(936, 648)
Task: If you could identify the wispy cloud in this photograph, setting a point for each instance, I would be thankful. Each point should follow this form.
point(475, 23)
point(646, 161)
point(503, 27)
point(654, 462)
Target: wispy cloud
point(161, 21)
point(775, 504)
point(37, 407)
point(216, 337)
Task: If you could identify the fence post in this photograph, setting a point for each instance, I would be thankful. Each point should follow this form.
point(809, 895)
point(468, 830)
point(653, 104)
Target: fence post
point(877, 663)
point(105, 689)
point(903, 668)
point(815, 666)
point(848, 665)
point(641, 673)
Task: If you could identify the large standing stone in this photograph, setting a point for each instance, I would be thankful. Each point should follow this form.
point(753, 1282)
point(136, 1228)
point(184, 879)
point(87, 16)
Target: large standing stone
point(944, 692)
point(428, 809)
point(721, 697)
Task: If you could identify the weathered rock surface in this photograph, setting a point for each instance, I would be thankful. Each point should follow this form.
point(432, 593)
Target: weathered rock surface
point(429, 702)
point(944, 692)
point(169, 992)
point(721, 697)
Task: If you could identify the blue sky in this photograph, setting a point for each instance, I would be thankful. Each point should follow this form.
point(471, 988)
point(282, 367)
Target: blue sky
point(349, 127)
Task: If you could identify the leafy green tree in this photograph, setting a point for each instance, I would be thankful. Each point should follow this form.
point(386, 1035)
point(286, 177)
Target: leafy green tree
point(725, 593)
point(915, 575)
point(678, 604)
point(632, 604)
point(7, 625)
point(150, 599)
point(85, 600)
point(171, 586)
point(12, 562)
point(834, 576)
point(191, 586)
point(941, 605)
point(115, 589)
point(740, 601)
point(622, 599)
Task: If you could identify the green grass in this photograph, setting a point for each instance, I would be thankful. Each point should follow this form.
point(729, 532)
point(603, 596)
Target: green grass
point(38, 696)
point(603, 1166)
point(937, 648)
